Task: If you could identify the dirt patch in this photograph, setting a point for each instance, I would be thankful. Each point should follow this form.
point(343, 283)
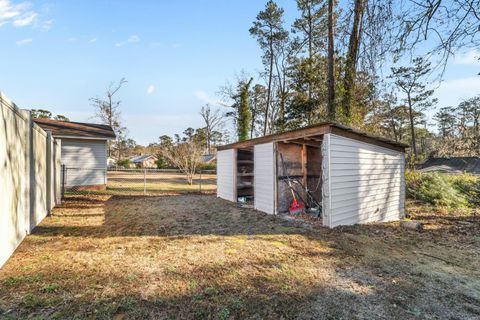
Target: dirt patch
point(193, 256)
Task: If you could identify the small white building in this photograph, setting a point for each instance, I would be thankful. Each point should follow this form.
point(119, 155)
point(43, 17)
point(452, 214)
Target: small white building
point(357, 178)
point(83, 151)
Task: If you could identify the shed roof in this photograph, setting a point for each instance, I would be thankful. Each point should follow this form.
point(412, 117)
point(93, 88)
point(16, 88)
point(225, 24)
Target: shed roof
point(317, 130)
point(452, 165)
point(76, 129)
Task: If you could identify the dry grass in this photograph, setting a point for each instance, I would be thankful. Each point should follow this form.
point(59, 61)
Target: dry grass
point(196, 257)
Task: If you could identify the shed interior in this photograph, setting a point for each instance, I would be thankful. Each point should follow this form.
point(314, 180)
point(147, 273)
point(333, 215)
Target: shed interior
point(302, 165)
point(245, 175)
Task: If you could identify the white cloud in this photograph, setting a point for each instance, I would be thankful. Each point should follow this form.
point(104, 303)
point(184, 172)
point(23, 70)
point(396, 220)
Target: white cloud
point(25, 20)
point(151, 89)
point(176, 45)
point(131, 39)
point(47, 25)
point(24, 42)
point(205, 97)
point(93, 40)
point(470, 57)
point(18, 15)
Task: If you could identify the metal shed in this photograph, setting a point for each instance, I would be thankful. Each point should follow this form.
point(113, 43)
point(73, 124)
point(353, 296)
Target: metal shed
point(357, 177)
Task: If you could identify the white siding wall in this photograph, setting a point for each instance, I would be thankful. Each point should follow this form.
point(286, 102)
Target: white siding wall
point(362, 182)
point(86, 162)
point(264, 177)
point(226, 174)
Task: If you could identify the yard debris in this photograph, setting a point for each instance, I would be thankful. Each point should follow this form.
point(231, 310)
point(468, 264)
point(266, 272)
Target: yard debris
point(411, 224)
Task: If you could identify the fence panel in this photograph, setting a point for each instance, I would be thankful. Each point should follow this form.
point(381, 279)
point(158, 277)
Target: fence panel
point(137, 181)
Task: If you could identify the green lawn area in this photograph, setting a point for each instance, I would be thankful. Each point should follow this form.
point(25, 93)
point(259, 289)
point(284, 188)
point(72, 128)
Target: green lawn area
point(199, 257)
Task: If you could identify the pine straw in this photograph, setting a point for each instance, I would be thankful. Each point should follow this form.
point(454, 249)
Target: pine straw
point(196, 257)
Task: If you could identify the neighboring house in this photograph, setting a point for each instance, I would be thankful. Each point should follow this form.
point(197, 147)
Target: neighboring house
point(210, 158)
point(356, 177)
point(144, 161)
point(83, 151)
point(453, 165)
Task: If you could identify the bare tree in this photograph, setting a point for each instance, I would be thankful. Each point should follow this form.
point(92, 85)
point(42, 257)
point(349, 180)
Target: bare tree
point(107, 110)
point(213, 119)
point(444, 26)
point(331, 63)
point(187, 156)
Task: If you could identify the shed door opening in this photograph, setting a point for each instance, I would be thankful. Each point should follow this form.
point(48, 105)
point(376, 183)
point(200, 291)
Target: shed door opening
point(245, 194)
point(303, 165)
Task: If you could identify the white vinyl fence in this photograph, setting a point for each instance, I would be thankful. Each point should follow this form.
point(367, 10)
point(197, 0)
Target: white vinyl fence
point(29, 175)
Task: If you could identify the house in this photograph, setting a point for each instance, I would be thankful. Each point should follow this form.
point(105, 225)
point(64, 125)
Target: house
point(453, 165)
point(356, 177)
point(209, 158)
point(83, 151)
point(144, 161)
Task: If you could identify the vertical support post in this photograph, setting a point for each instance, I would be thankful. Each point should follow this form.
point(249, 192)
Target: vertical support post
point(304, 164)
point(49, 179)
point(64, 180)
point(144, 181)
point(200, 181)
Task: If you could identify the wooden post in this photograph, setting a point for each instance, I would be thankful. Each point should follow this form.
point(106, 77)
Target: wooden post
point(304, 164)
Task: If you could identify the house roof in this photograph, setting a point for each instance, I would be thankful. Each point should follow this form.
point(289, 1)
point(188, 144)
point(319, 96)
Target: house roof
point(452, 165)
point(318, 130)
point(76, 129)
point(209, 158)
point(141, 158)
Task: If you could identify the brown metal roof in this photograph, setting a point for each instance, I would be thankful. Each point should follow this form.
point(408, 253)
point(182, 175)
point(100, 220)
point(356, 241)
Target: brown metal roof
point(76, 129)
point(319, 129)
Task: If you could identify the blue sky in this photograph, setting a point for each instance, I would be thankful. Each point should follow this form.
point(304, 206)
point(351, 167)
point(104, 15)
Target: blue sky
point(174, 54)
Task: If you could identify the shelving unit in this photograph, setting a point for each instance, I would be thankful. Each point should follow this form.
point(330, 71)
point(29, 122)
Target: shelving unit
point(245, 174)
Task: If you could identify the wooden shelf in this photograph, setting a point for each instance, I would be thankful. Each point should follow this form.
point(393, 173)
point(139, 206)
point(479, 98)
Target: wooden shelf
point(248, 174)
point(245, 161)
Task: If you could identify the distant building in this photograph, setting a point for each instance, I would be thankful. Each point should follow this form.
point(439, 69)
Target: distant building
point(210, 158)
point(84, 151)
point(453, 165)
point(144, 161)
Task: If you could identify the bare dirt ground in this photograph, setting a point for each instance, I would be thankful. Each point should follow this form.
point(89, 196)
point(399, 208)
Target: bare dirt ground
point(198, 257)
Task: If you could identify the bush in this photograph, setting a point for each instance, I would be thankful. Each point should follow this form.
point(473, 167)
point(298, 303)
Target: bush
point(208, 166)
point(455, 191)
point(124, 163)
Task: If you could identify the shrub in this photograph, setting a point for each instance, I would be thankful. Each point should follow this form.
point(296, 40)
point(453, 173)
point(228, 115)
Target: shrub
point(455, 191)
point(124, 163)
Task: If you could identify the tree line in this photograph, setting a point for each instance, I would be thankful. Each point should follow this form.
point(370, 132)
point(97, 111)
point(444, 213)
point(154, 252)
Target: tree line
point(328, 65)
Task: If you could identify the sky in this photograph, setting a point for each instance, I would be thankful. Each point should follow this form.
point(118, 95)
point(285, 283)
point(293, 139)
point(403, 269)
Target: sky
point(175, 56)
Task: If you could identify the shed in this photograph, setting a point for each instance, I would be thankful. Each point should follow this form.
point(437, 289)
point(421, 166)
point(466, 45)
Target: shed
point(83, 151)
point(356, 177)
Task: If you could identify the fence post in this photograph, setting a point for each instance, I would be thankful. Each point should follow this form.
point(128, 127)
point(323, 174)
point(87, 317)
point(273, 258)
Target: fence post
point(200, 181)
point(144, 181)
point(64, 178)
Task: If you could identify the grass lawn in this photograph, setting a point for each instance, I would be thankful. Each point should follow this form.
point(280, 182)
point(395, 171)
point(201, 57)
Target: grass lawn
point(199, 257)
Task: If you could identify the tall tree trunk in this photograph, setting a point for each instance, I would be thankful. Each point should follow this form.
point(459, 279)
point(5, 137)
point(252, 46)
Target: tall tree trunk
point(412, 126)
point(351, 62)
point(331, 65)
point(269, 89)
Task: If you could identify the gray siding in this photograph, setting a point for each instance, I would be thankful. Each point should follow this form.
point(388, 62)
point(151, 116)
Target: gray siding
point(264, 177)
point(86, 162)
point(226, 174)
point(363, 182)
